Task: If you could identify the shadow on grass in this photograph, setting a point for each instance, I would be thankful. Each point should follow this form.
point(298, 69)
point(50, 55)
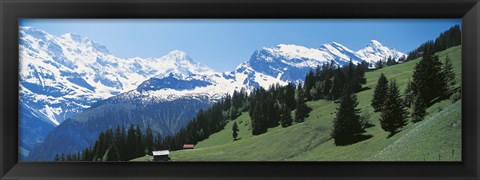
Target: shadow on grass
point(392, 134)
point(441, 98)
point(395, 132)
point(355, 139)
point(364, 89)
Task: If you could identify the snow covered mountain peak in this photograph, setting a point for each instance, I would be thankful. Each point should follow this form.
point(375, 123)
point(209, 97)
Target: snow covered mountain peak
point(289, 49)
point(32, 31)
point(83, 42)
point(179, 55)
point(376, 51)
point(375, 43)
point(338, 45)
point(73, 37)
point(179, 64)
point(339, 50)
point(292, 53)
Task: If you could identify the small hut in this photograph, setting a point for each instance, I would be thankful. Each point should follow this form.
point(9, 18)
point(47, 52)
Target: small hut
point(161, 155)
point(188, 146)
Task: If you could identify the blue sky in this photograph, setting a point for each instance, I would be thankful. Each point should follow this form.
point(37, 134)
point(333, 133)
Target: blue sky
point(224, 44)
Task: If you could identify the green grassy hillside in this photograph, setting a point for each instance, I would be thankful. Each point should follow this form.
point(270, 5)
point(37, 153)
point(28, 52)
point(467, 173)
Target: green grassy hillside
point(439, 135)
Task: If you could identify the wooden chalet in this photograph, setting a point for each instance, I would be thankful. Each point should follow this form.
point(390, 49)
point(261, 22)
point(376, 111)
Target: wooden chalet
point(161, 155)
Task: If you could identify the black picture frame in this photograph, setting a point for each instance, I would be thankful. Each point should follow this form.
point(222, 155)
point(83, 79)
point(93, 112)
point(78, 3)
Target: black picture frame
point(12, 10)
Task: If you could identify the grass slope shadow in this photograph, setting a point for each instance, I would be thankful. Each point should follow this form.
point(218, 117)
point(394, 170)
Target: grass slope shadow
point(354, 139)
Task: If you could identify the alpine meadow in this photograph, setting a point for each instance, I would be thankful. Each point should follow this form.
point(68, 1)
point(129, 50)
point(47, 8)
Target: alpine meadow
point(80, 102)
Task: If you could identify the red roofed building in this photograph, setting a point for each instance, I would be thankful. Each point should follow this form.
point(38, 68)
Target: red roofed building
point(188, 146)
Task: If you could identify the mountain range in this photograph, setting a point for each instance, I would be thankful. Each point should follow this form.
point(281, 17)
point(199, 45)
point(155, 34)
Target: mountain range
point(72, 88)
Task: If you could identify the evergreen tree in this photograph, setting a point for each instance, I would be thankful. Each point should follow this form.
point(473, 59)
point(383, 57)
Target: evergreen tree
point(56, 158)
point(237, 104)
point(449, 75)
point(139, 149)
point(110, 144)
point(360, 78)
point(113, 153)
point(256, 117)
point(364, 67)
point(309, 83)
point(380, 93)
point(409, 94)
point(350, 76)
point(314, 92)
point(302, 109)
point(227, 102)
point(324, 78)
point(131, 143)
point(338, 84)
point(100, 146)
point(120, 140)
point(418, 109)
point(290, 97)
point(235, 130)
point(347, 122)
point(234, 112)
point(318, 73)
point(326, 87)
point(393, 115)
point(379, 64)
point(285, 116)
point(85, 155)
point(350, 71)
point(391, 61)
point(428, 78)
point(149, 139)
point(271, 112)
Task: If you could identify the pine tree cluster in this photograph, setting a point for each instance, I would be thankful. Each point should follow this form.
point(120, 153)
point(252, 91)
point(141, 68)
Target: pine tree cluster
point(329, 81)
point(120, 144)
point(431, 81)
point(270, 107)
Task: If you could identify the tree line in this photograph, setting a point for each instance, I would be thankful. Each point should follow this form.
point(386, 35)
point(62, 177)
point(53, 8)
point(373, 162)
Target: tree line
point(390, 61)
point(120, 144)
point(447, 39)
